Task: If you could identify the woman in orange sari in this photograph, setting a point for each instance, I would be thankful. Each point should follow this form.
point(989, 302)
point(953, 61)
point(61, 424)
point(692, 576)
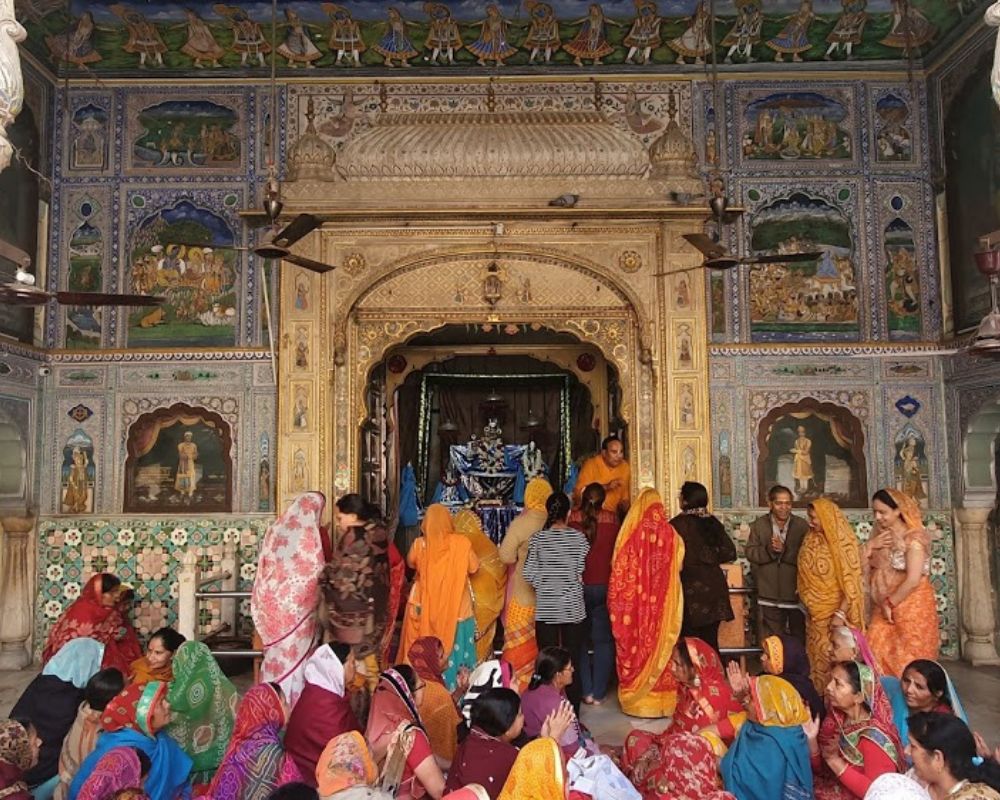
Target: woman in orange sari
point(904, 622)
point(488, 584)
point(438, 711)
point(440, 603)
point(537, 773)
point(829, 583)
point(646, 607)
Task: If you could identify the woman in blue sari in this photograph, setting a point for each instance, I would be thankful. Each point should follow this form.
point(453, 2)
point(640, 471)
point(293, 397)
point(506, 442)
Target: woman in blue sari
point(135, 719)
point(924, 686)
point(770, 758)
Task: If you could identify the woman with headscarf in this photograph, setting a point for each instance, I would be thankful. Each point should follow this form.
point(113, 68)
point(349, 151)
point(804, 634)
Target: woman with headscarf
point(51, 702)
point(519, 646)
point(135, 718)
point(682, 766)
point(345, 769)
point(537, 773)
point(121, 768)
point(203, 705)
point(488, 584)
point(398, 739)
point(893, 786)
point(829, 583)
point(255, 763)
point(440, 604)
point(925, 686)
point(437, 709)
point(286, 592)
point(324, 710)
point(97, 614)
point(904, 618)
point(19, 744)
point(857, 741)
point(646, 607)
point(786, 657)
point(79, 743)
point(770, 758)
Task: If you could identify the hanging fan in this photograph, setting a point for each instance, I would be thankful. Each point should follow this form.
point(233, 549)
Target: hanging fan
point(717, 257)
point(23, 292)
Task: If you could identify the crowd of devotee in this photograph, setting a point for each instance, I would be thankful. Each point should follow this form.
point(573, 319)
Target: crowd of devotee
point(380, 678)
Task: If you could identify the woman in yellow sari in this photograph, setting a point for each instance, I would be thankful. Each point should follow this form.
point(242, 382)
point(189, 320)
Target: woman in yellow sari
point(646, 607)
point(488, 584)
point(904, 618)
point(537, 773)
point(440, 603)
point(829, 583)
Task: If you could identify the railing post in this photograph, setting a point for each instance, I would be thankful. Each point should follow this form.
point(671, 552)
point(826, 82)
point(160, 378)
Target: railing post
point(187, 603)
point(228, 606)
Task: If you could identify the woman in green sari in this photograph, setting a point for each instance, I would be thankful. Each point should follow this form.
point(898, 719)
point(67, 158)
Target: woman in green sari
point(203, 704)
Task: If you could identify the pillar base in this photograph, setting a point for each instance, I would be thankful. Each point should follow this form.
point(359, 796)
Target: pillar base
point(980, 653)
point(14, 657)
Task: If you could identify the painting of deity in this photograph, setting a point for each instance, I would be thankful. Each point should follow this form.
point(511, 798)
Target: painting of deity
point(86, 252)
point(78, 474)
point(796, 126)
point(815, 449)
point(187, 134)
point(803, 300)
point(972, 162)
point(181, 253)
point(89, 139)
point(893, 140)
point(910, 464)
point(725, 471)
point(717, 289)
point(902, 277)
point(178, 461)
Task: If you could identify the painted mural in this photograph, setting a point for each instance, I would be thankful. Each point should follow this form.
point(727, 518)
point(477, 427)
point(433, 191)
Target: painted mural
point(902, 281)
point(893, 135)
point(78, 474)
point(86, 255)
point(972, 151)
point(186, 135)
point(910, 463)
point(190, 38)
point(182, 252)
point(89, 139)
point(803, 299)
point(794, 126)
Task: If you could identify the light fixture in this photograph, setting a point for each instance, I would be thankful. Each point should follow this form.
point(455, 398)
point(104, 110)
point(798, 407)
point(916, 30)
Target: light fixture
point(987, 339)
point(447, 426)
point(494, 397)
point(531, 421)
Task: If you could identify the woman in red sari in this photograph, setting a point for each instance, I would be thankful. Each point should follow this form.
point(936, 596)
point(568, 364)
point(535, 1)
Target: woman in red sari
point(646, 607)
point(98, 613)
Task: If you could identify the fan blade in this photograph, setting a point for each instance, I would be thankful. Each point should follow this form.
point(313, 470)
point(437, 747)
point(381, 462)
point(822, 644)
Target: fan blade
point(15, 254)
point(99, 299)
point(708, 247)
point(308, 263)
point(16, 294)
point(724, 262)
point(302, 225)
point(778, 258)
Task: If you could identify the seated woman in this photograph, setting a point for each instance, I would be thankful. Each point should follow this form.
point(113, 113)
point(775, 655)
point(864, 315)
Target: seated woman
point(323, 710)
point(857, 741)
point(547, 693)
point(97, 613)
point(537, 773)
point(893, 786)
point(681, 766)
point(492, 674)
point(924, 686)
point(944, 757)
point(705, 702)
point(203, 704)
point(82, 737)
point(157, 663)
point(51, 702)
point(135, 718)
point(438, 711)
point(255, 763)
point(121, 768)
point(19, 746)
point(488, 752)
point(785, 656)
point(770, 758)
point(346, 768)
point(397, 736)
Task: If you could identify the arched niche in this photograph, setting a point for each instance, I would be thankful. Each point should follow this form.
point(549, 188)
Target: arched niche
point(833, 452)
point(163, 472)
point(980, 450)
point(13, 462)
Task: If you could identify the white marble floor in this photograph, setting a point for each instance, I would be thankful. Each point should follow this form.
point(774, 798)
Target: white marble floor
point(979, 689)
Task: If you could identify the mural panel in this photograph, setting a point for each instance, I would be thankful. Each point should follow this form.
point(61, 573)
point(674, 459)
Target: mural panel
point(894, 130)
point(87, 252)
point(182, 251)
point(78, 474)
point(902, 281)
point(185, 135)
point(804, 300)
point(910, 464)
point(789, 126)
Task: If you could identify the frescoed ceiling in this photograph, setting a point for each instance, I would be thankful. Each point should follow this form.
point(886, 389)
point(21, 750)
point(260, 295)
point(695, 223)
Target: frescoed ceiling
point(145, 38)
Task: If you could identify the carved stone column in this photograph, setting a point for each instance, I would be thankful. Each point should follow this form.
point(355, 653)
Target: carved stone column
point(978, 620)
point(11, 83)
point(17, 600)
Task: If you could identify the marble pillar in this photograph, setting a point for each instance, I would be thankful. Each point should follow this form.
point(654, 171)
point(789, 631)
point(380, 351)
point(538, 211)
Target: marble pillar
point(11, 82)
point(17, 595)
point(978, 620)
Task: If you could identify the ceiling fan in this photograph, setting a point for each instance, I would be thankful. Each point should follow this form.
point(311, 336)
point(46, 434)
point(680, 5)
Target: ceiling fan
point(718, 257)
point(23, 292)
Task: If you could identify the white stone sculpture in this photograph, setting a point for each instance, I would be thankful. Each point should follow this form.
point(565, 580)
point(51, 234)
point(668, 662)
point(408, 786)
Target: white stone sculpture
point(11, 83)
point(992, 18)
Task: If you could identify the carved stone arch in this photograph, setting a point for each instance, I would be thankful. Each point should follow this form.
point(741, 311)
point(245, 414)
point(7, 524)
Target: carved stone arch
point(980, 439)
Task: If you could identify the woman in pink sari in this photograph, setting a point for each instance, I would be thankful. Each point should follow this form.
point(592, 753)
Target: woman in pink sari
point(286, 592)
point(120, 768)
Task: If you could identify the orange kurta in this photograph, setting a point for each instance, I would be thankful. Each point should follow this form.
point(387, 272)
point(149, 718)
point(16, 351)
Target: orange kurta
point(595, 470)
